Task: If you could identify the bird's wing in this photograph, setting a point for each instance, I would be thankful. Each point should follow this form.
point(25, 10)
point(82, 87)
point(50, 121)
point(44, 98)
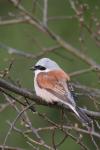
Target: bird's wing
point(55, 82)
point(72, 91)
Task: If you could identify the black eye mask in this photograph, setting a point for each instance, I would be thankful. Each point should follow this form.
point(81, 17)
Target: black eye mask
point(39, 67)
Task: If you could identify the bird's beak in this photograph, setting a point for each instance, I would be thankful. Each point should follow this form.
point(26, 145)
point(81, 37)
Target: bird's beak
point(32, 68)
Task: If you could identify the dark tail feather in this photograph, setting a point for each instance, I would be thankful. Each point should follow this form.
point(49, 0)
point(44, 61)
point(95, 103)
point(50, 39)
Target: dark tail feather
point(83, 117)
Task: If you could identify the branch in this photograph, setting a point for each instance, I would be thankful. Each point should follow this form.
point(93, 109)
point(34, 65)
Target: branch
point(45, 12)
point(28, 94)
point(43, 51)
point(70, 128)
point(10, 148)
point(13, 88)
point(13, 21)
point(88, 90)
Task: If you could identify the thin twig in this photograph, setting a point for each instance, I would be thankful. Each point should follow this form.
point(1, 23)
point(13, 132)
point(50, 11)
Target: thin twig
point(53, 139)
point(13, 124)
point(45, 13)
point(80, 130)
point(60, 127)
point(94, 142)
point(79, 72)
point(55, 18)
point(10, 148)
point(27, 54)
point(13, 21)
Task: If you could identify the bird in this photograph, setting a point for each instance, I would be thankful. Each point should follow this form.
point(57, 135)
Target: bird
point(52, 84)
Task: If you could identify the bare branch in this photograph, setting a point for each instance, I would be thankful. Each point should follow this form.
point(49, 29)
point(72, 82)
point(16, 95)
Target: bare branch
point(10, 148)
point(13, 21)
point(55, 18)
point(45, 12)
point(71, 128)
point(11, 50)
point(79, 72)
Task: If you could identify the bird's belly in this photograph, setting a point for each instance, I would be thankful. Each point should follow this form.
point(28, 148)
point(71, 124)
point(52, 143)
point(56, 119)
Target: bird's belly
point(45, 95)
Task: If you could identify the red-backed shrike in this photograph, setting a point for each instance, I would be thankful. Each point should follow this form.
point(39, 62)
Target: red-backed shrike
point(52, 84)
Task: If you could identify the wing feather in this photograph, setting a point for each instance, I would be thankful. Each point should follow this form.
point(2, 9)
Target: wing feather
point(55, 82)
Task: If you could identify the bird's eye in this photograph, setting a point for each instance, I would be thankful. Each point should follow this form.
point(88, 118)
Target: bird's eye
point(39, 67)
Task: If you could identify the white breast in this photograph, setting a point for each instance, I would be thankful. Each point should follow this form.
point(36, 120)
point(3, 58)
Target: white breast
point(44, 94)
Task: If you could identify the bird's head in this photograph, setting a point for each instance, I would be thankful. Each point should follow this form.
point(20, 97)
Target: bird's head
point(44, 65)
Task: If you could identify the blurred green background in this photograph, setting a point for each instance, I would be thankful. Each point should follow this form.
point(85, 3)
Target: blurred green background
point(27, 38)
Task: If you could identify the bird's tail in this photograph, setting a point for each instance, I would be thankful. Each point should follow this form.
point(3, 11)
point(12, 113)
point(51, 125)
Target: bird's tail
point(81, 115)
point(87, 121)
